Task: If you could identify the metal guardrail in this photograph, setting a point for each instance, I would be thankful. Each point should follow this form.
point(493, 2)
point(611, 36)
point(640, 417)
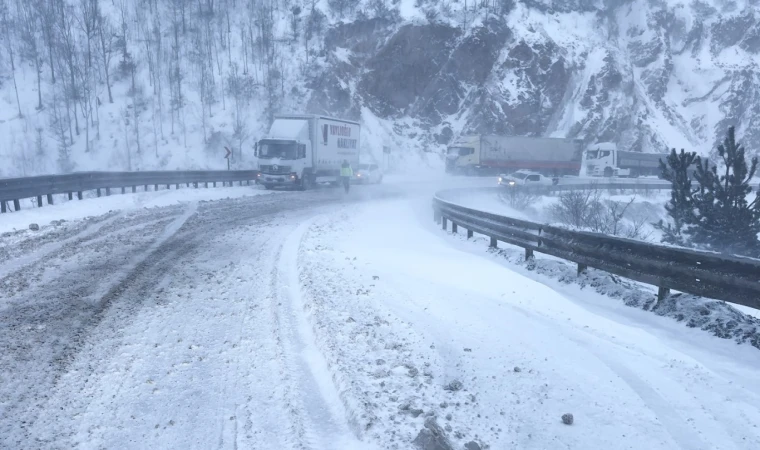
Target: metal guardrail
point(558, 188)
point(15, 189)
point(723, 277)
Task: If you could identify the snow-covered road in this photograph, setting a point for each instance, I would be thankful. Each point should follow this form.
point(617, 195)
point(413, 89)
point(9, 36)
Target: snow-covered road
point(318, 321)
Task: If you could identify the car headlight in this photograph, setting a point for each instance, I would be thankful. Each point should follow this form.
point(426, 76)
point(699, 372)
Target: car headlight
point(500, 180)
point(511, 183)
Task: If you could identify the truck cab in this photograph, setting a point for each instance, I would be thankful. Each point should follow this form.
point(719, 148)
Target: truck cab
point(463, 156)
point(281, 161)
point(600, 160)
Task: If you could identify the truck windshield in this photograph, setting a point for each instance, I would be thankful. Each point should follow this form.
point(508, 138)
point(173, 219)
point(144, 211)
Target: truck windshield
point(281, 150)
point(592, 154)
point(461, 151)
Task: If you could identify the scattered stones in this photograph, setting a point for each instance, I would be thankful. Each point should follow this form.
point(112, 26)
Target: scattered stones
point(416, 412)
point(380, 362)
point(448, 416)
point(432, 437)
point(454, 386)
point(375, 277)
point(567, 419)
point(34, 227)
point(447, 427)
point(413, 372)
point(468, 349)
point(472, 445)
point(517, 369)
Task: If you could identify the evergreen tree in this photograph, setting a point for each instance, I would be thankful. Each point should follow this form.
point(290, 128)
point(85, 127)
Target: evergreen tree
point(676, 168)
point(725, 220)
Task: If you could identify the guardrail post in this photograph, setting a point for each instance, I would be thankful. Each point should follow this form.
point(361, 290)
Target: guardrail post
point(98, 192)
point(155, 188)
point(79, 195)
point(39, 201)
point(146, 188)
point(108, 191)
point(494, 243)
point(453, 227)
point(444, 223)
point(70, 196)
point(177, 186)
point(436, 216)
point(206, 185)
point(50, 199)
point(16, 205)
point(469, 234)
point(3, 208)
point(528, 254)
point(134, 189)
point(168, 186)
point(123, 190)
point(662, 292)
point(195, 185)
point(214, 183)
point(582, 268)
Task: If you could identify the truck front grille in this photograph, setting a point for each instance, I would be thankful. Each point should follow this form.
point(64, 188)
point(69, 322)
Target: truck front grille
point(275, 169)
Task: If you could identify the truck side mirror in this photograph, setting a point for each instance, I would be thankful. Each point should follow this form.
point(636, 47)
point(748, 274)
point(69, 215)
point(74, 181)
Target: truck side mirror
point(256, 149)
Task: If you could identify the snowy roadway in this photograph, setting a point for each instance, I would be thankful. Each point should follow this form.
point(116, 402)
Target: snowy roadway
point(318, 321)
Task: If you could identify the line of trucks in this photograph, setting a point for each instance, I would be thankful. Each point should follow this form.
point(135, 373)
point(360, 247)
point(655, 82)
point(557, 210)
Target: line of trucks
point(493, 154)
point(303, 150)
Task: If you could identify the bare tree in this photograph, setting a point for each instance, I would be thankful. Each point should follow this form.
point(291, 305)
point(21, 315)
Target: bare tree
point(69, 57)
point(241, 88)
point(58, 124)
point(46, 12)
point(574, 207)
point(7, 24)
point(31, 42)
point(106, 47)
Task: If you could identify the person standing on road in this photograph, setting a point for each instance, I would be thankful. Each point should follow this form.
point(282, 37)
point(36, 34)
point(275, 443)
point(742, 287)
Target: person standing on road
point(346, 172)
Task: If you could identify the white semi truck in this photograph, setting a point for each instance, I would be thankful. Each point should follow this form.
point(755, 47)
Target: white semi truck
point(302, 150)
point(492, 154)
point(605, 160)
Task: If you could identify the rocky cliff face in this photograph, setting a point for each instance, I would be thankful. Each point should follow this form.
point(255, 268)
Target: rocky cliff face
point(646, 74)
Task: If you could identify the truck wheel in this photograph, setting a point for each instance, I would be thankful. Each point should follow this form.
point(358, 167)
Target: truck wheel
point(306, 182)
point(608, 172)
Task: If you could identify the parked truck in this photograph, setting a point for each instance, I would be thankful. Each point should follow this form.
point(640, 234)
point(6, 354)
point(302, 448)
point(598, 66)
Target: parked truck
point(605, 160)
point(302, 150)
point(492, 154)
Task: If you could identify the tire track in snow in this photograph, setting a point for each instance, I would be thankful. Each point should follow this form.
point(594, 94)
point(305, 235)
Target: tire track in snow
point(95, 309)
point(325, 421)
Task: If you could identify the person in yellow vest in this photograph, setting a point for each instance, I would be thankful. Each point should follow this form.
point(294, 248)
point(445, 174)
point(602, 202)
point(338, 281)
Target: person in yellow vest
point(346, 172)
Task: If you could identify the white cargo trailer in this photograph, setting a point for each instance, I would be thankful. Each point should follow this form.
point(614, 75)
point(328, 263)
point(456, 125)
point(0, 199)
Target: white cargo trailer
point(301, 150)
point(490, 154)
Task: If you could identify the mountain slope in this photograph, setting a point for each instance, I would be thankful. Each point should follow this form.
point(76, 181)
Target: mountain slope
point(190, 78)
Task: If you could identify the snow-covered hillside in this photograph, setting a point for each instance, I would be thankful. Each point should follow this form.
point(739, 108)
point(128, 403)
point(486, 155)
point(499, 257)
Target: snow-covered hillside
point(188, 78)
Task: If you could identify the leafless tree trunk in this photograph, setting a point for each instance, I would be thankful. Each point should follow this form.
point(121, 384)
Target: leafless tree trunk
point(106, 38)
point(29, 34)
point(7, 24)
